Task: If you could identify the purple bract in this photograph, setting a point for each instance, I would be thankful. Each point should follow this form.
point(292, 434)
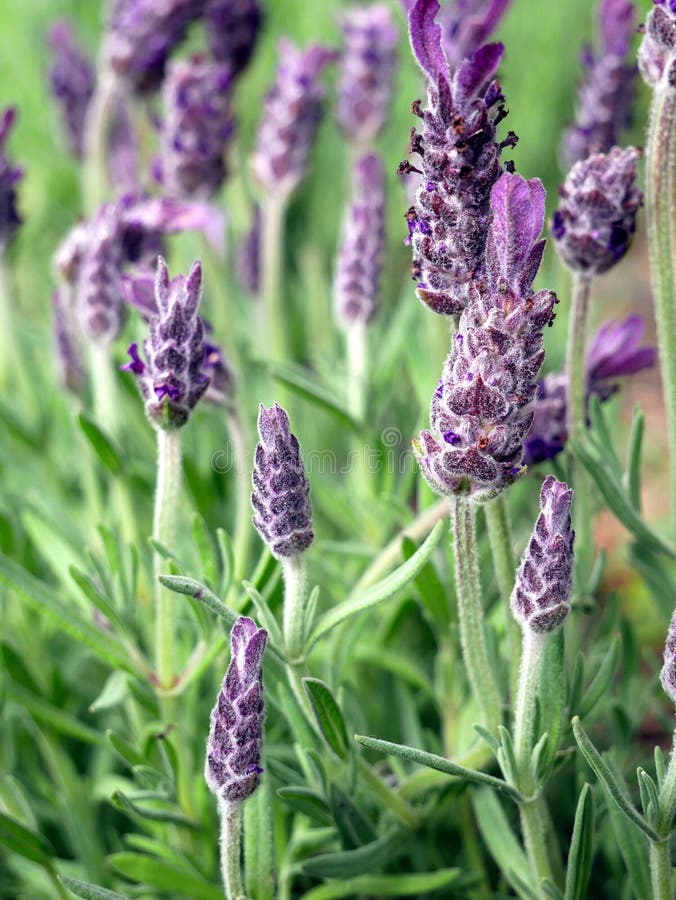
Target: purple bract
point(72, 79)
point(657, 53)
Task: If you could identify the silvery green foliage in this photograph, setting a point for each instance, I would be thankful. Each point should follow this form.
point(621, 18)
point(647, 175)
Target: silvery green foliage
point(367, 63)
point(481, 410)
point(596, 219)
point(657, 53)
point(541, 596)
point(459, 158)
point(281, 491)
point(172, 378)
point(232, 769)
point(363, 245)
point(72, 80)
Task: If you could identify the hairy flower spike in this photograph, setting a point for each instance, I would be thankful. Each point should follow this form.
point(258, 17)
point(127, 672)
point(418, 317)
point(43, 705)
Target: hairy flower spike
point(172, 378)
point(459, 164)
point(606, 93)
point(10, 219)
point(197, 127)
point(281, 492)
point(292, 113)
point(481, 411)
point(366, 71)
point(233, 764)
point(72, 79)
point(541, 596)
point(657, 53)
point(232, 30)
point(363, 243)
point(99, 306)
point(596, 219)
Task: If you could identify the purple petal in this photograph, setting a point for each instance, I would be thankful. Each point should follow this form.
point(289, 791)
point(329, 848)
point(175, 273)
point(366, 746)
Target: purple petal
point(426, 38)
point(476, 70)
point(518, 215)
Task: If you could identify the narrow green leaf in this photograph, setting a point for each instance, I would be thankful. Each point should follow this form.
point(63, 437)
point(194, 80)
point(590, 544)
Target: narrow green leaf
point(154, 814)
point(114, 691)
point(506, 756)
point(101, 444)
point(264, 614)
point(660, 767)
point(660, 583)
point(354, 828)
point(328, 716)
point(602, 679)
point(433, 594)
point(382, 590)
point(633, 847)
point(649, 797)
point(551, 890)
point(95, 596)
point(205, 549)
point(305, 800)
point(158, 873)
point(130, 754)
point(201, 593)
point(599, 434)
point(500, 840)
point(413, 885)
point(581, 847)
point(24, 841)
point(632, 476)
point(303, 383)
point(47, 714)
point(311, 612)
point(88, 891)
point(359, 861)
point(614, 790)
point(227, 561)
point(438, 762)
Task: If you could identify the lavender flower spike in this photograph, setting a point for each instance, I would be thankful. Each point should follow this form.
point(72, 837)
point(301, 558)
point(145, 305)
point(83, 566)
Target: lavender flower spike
point(281, 492)
point(172, 379)
point(366, 71)
point(9, 176)
point(232, 31)
point(292, 113)
point(668, 673)
point(72, 79)
point(657, 53)
point(233, 769)
point(606, 93)
point(481, 410)
point(197, 127)
point(459, 164)
point(361, 251)
point(595, 222)
point(99, 305)
point(541, 596)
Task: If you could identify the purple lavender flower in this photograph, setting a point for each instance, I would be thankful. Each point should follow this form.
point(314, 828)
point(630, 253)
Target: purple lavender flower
point(460, 163)
point(197, 127)
point(367, 64)
point(122, 158)
point(292, 113)
point(232, 31)
point(142, 34)
point(467, 25)
point(596, 219)
point(541, 596)
point(614, 353)
point(233, 763)
point(281, 492)
point(172, 380)
point(99, 308)
point(481, 411)
point(606, 93)
point(72, 78)
point(363, 243)
point(9, 176)
point(248, 261)
point(657, 53)
point(70, 366)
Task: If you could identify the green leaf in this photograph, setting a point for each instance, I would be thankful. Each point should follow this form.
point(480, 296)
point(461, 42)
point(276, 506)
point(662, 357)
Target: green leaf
point(130, 754)
point(227, 560)
point(95, 596)
point(632, 476)
point(88, 891)
point(205, 549)
point(366, 858)
point(614, 790)
point(47, 714)
point(500, 840)
point(201, 593)
point(410, 885)
point(432, 592)
point(602, 679)
point(328, 716)
point(158, 873)
point(581, 847)
point(505, 755)
point(306, 801)
point(101, 444)
point(154, 814)
point(438, 762)
point(633, 847)
point(24, 841)
point(264, 614)
point(659, 581)
point(649, 798)
point(354, 828)
point(384, 589)
point(599, 434)
point(114, 691)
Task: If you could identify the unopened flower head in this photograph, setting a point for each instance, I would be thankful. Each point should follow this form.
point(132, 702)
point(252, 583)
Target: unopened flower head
point(197, 127)
point(172, 378)
point(233, 763)
point(459, 164)
point(9, 176)
point(281, 492)
point(72, 79)
point(596, 219)
point(657, 53)
point(232, 30)
point(100, 309)
point(541, 596)
point(367, 63)
point(362, 247)
point(481, 410)
point(292, 112)
point(606, 93)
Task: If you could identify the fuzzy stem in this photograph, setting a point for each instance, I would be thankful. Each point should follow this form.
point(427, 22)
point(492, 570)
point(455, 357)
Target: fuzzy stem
point(471, 616)
point(294, 606)
point(272, 277)
point(242, 524)
point(500, 536)
point(97, 125)
point(164, 531)
point(576, 422)
point(533, 831)
point(357, 367)
point(231, 848)
point(660, 870)
point(660, 159)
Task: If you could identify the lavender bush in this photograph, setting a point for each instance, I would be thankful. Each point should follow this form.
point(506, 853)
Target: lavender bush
point(307, 592)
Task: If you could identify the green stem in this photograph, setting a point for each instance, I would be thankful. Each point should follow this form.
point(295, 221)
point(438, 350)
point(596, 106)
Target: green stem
point(294, 607)
point(471, 616)
point(500, 536)
point(164, 531)
point(273, 211)
point(231, 848)
point(241, 536)
point(660, 159)
point(357, 365)
point(104, 386)
point(660, 869)
point(533, 831)
point(102, 104)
